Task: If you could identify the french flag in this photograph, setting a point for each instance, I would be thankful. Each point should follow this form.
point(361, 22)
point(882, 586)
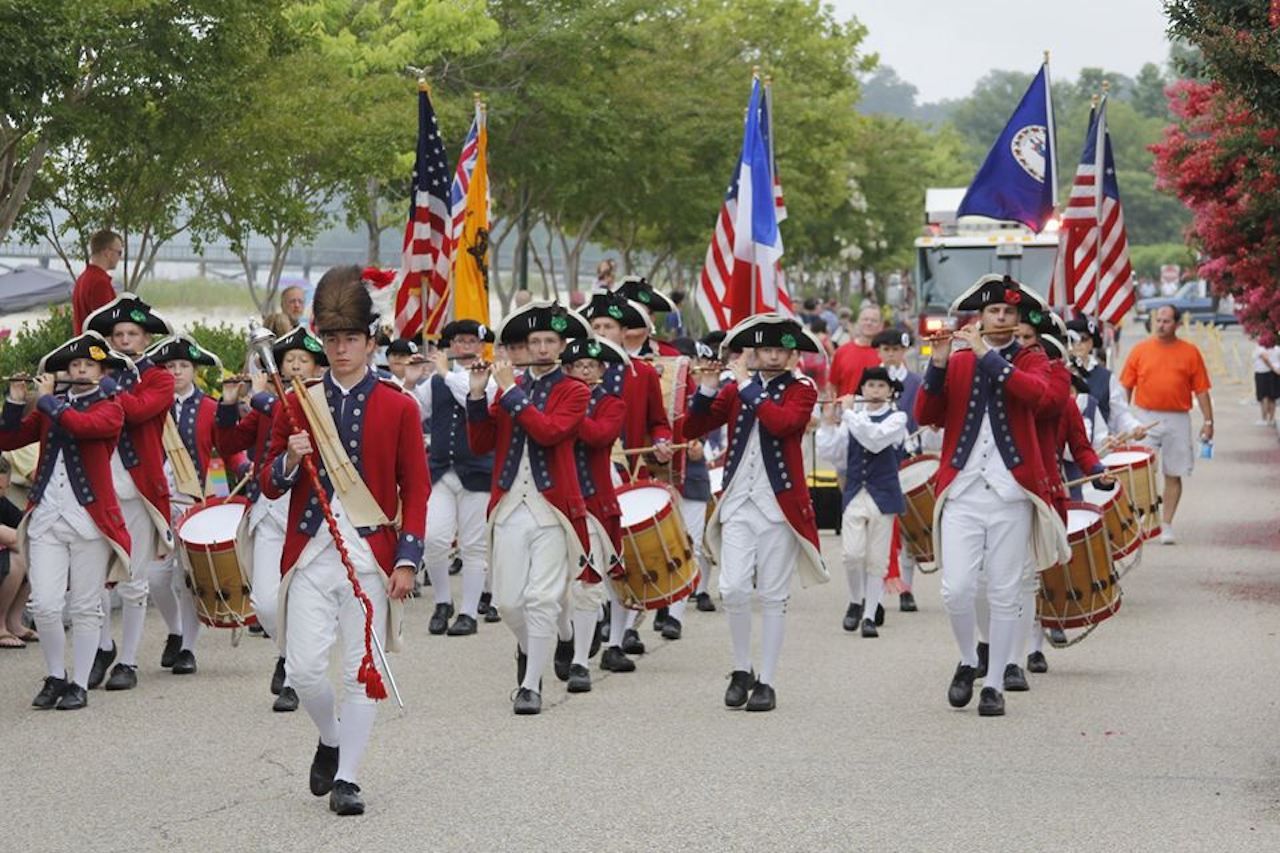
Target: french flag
point(757, 242)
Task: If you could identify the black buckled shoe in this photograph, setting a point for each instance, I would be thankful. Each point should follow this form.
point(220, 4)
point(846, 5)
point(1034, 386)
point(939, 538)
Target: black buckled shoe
point(869, 628)
point(740, 684)
point(345, 799)
point(672, 629)
point(486, 607)
point(185, 664)
point(1057, 637)
point(101, 660)
point(123, 677)
point(563, 659)
point(286, 702)
point(256, 630)
point(631, 642)
point(455, 566)
point(527, 703)
point(463, 626)
point(579, 679)
point(323, 767)
point(492, 615)
point(440, 619)
point(990, 703)
point(852, 617)
point(277, 678)
point(704, 602)
point(984, 650)
point(49, 693)
point(614, 660)
point(172, 645)
point(762, 698)
point(660, 619)
point(1015, 680)
point(1037, 663)
point(960, 693)
point(879, 614)
point(73, 698)
point(907, 603)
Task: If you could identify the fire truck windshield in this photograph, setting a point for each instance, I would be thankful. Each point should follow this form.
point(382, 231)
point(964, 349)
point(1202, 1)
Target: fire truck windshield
point(944, 272)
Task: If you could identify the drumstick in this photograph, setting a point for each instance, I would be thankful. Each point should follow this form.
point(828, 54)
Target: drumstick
point(369, 675)
point(240, 485)
point(637, 451)
point(1089, 479)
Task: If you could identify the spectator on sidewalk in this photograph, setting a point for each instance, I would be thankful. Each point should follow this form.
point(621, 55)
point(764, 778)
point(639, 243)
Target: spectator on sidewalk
point(856, 355)
point(93, 288)
point(1266, 382)
point(14, 588)
point(1161, 375)
point(292, 313)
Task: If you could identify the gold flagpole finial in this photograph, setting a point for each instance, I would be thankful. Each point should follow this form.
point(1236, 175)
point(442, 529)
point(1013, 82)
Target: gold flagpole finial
point(755, 71)
point(1106, 86)
point(424, 85)
point(1046, 57)
point(1093, 102)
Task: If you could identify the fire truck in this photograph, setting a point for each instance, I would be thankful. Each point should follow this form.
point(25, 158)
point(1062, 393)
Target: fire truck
point(954, 252)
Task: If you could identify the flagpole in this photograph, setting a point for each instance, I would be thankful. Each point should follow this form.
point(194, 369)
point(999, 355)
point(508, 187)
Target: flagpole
point(1051, 166)
point(424, 87)
point(755, 273)
point(1099, 179)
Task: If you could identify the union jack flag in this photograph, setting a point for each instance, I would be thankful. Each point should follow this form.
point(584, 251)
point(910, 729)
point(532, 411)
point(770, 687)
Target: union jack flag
point(422, 293)
point(1092, 274)
point(462, 178)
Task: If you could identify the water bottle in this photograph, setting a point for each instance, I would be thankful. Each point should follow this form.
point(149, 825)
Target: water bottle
point(1206, 449)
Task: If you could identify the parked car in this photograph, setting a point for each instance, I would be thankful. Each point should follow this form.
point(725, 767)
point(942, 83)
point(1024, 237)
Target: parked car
point(1193, 299)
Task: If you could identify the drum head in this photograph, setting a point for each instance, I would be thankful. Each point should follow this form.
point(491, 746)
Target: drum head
point(212, 524)
point(641, 503)
point(1080, 520)
point(917, 472)
point(1123, 458)
point(1093, 495)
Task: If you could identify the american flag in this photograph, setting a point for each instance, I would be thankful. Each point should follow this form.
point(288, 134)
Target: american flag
point(715, 290)
point(1092, 274)
point(423, 281)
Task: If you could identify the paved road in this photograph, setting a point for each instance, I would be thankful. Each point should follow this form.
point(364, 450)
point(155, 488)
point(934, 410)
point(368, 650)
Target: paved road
point(1157, 733)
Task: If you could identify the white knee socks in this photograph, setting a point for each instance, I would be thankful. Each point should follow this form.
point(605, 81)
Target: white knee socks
point(319, 707)
point(131, 617)
point(354, 729)
point(161, 584)
point(440, 591)
point(772, 625)
point(104, 635)
point(740, 633)
point(53, 642)
point(874, 591)
point(1006, 632)
point(472, 587)
point(584, 628)
point(190, 622)
point(84, 646)
point(964, 628)
point(540, 651)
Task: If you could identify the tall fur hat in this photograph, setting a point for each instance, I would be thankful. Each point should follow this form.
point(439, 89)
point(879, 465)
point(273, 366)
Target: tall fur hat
point(342, 302)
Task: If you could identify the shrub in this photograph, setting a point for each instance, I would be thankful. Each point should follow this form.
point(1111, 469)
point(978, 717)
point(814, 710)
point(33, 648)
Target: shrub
point(21, 352)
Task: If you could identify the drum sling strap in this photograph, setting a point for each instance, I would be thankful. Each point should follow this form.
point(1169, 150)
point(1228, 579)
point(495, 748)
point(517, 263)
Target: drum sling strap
point(361, 507)
point(184, 470)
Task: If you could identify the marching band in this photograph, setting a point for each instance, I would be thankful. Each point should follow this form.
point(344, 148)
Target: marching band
point(583, 474)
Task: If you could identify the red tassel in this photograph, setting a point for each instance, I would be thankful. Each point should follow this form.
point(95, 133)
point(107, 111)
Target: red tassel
point(374, 688)
point(379, 278)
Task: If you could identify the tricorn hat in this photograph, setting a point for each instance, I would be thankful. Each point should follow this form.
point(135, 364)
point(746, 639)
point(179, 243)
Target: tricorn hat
point(465, 327)
point(342, 302)
point(637, 289)
point(892, 338)
point(299, 339)
point(997, 290)
point(881, 373)
point(90, 345)
point(542, 315)
point(1078, 328)
point(126, 308)
point(403, 346)
point(771, 330)
point(601, 349)
point(182, 348)
point(628, 314)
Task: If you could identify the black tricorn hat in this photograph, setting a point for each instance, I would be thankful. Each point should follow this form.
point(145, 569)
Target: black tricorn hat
point(90, 345)
point(637, 289)
point(997, 290)
point(182, 348)
point(126, 308)
point(465, 327)
point(892, 338)
point(300, 339)
point(403, 346)
point(1083, 327)
point(771, 330)
point(542, 315)
point(601, 349)
point(342, 302)
point(870, 374)
point(628, 314)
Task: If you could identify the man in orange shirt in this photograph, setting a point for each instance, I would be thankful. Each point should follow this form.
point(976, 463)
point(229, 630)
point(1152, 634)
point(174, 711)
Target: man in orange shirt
point(93, 288)
point(1161, 376)
point(858, 354)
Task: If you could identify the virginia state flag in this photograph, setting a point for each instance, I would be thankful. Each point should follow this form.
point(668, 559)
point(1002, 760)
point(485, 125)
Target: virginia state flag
point(1019, 179)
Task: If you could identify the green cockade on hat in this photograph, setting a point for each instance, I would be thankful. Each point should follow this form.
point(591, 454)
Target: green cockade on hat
point(311, 344)
point(137, 315)
point(789, 341)
point(593, 349)
point(615, 311)
point(559, 324)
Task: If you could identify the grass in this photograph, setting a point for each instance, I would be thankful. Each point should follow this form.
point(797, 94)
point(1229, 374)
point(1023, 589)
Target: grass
point(196, 293)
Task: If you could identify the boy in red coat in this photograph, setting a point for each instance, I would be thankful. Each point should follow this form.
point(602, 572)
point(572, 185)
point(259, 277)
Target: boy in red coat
point(73, 535)
point(378, 431)
point(585, 359)
point(137, 469)
point(537, 517)
point(992, 489)
point(300, 355)
point(763, 528)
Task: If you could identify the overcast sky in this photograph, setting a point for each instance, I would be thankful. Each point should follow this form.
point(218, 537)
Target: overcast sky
point(944, 46)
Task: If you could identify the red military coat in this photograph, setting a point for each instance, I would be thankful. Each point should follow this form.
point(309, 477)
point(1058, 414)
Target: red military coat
point(1050, 419)
point(1074, 437)
point(782, 408)
point(1023, 385)
point(548, 411)
point(93, 425)
point(645, 422)
point(146, 402)
point(597, 433)
point(384, 423)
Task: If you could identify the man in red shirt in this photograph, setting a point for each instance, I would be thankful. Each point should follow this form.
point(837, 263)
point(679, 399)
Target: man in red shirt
point(93, 288)
point(852, 358)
